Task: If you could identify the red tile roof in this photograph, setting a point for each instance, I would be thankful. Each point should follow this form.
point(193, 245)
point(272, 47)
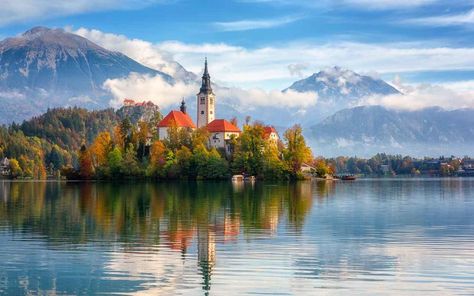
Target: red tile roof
point(177, 118)
point(222, 125)
point(267, 130)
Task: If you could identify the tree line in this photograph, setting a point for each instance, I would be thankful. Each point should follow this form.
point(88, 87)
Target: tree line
point(134, 151)
point(107, 144)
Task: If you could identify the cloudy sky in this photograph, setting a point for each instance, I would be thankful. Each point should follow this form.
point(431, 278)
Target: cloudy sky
point(268, 44)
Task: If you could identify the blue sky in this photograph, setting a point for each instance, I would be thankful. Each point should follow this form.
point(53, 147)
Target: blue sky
point(260, 43)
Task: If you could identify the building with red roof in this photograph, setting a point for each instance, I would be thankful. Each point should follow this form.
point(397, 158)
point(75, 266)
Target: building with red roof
point(270, 134)
point(221, 131)
point(179, 119)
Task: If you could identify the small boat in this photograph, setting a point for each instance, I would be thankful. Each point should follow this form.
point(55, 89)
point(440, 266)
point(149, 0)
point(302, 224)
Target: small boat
point(237, 178)
point(348, 177)
point(250, 179)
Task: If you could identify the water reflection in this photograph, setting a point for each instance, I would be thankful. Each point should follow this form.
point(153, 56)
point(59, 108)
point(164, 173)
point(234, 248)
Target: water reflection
point(204, 238)
point(148, 215)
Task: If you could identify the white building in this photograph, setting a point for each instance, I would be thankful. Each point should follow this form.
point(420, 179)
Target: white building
point(206, 100)
point(177, 119)
point(220, 133)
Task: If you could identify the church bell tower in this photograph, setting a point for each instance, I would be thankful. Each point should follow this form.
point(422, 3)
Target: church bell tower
point(205, 100)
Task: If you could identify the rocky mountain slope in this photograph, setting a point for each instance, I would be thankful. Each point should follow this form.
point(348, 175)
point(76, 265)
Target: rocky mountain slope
point(50, 67)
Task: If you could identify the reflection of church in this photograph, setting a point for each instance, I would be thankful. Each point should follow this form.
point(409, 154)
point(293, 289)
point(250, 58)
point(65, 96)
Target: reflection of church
point(221, 131)
point(206, 254)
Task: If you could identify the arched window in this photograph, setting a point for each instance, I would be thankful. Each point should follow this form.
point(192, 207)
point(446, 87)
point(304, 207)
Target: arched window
point(211, 101)
point(203, 100)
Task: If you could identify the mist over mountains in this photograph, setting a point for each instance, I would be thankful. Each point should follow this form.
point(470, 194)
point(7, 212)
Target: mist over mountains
point(44, 68)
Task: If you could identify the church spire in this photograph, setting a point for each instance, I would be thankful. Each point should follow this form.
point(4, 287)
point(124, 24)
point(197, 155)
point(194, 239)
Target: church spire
point(182, 108)
point(206, 80)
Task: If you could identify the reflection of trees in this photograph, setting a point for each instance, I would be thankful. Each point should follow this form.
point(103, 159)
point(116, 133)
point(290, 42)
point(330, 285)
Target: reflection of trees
point(78, 212)
point(171, 214)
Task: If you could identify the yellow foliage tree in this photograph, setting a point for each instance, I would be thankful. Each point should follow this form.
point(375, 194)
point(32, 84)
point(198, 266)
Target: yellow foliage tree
point(100, 149)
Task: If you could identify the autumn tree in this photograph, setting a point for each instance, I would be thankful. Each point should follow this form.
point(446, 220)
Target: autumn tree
point(86, 168)
point(101, 148)
point(15, 169)
point(296, 152)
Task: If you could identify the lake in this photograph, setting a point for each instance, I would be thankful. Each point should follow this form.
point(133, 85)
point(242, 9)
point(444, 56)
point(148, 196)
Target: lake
point(373, 237)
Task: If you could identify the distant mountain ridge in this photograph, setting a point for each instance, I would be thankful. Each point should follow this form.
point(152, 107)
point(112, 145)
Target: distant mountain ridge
point(368, 129)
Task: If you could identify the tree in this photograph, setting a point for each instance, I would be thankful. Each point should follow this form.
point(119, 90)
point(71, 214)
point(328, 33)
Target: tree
point(85, 163)
point(100, 148)
point(157, 154)
point(15, 169)
point(250, 149)
point(114, 160)
point(129, 165)
point(296, 152)
point(184, 160)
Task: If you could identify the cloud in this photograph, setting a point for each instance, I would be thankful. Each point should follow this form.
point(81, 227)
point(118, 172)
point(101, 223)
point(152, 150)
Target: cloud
point(449, 96)
point(144, 52)
point(253, 74)
point(271, 67)
point(157, 90)
point(14, 11)
point(268, 66)
point(256, 97)
point(245, 25)
point(356, 4)
point(147, 88)
point(387, 4)
point(297, 69)
point(462, 19)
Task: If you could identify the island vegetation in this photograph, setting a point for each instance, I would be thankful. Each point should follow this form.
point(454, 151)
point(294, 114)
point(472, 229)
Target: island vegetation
point(75, 143)
point(80, 144)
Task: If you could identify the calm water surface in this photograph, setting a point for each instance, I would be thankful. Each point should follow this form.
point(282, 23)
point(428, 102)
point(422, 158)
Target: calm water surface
point(375, 237)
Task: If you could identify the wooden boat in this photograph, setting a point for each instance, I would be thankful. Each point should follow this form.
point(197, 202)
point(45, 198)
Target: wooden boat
point(348, 177)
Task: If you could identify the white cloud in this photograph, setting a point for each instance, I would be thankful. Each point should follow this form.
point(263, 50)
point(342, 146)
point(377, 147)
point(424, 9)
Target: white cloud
point(144, 52)
point(268, 66)
point(256, 97)
point(253, 74)
point(13, 11)
point(147, 88)
point(297, 69)
point(271, 67)
point(387, 4)
point(448, 96)
point(357, 4)
point(154, 88)
point(462, 19)
point(245, 25)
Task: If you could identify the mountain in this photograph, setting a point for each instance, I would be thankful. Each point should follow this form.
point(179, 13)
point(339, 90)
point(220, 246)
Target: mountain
point(337, 83)
point(337, 89)
point(366, 130)
point(50, 67)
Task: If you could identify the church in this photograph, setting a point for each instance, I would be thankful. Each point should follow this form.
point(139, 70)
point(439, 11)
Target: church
point(220, 131)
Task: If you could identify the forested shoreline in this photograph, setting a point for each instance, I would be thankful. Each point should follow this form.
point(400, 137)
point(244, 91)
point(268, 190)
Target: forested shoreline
point(75, 143)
